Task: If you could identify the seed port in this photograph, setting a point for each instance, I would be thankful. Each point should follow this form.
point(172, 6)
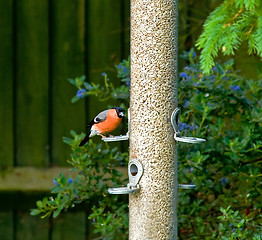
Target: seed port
point(177, 137)
point(133, 169)
point(177, 118)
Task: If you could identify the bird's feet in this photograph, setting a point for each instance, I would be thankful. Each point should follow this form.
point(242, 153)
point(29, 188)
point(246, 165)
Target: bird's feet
point(102, 135)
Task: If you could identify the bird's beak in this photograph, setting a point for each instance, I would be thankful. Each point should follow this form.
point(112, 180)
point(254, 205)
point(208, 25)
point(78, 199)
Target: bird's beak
point(122, 114)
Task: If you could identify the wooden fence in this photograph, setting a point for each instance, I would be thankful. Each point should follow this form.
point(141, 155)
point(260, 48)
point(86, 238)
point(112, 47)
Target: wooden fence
point(43, 43)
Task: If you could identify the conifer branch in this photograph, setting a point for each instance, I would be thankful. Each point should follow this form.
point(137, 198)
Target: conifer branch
point(231, 23)
point(237, 14)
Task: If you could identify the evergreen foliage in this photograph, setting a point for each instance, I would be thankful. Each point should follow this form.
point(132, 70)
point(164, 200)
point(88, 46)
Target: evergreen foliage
point(231, 23)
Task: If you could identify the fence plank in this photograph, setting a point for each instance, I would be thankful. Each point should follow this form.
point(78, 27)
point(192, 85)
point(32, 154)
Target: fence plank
point(126, 28)
point(31, 228)
point(103, 45)
point(26, 179)
point(6, 84)
point(70, 226)
point(32, 83)
point(6, 225)
point(67, 62)
point(29, 179)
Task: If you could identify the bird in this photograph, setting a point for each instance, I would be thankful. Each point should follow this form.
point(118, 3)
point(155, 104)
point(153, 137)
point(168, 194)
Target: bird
point(105, 122)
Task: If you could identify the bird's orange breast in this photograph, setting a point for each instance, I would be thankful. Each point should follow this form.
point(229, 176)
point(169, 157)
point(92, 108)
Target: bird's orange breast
point(110, 124)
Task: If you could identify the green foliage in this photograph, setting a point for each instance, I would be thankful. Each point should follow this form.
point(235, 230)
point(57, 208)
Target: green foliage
point(111, 225)
point(224, 108)
point(227, 27)
point(234, 227)
point(93, 170)
point(107, 90)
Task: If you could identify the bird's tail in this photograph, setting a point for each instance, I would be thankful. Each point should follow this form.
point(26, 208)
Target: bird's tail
point(85, 140)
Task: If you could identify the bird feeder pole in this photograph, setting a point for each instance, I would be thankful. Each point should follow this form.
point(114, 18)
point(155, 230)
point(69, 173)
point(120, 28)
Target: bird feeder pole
point(154, 34)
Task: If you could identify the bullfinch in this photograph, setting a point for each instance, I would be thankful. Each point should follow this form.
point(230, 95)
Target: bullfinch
point(104, 122)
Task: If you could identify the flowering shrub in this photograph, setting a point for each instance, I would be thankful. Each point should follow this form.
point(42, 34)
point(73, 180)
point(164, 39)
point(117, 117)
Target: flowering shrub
point(233, 227)
point(223, 108)
point(95, 168)
point(227, 110)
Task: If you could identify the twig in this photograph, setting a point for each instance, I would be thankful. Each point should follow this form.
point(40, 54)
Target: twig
point(236, 15)
point(252, 161)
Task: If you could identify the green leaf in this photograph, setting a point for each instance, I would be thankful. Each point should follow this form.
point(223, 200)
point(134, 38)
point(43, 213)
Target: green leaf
point(57, 212)
point(72, 81)
point(75, 99)
point(67, 140)
point(39, 204)
point(241, 223)
point(34, 212)
point(88, 86)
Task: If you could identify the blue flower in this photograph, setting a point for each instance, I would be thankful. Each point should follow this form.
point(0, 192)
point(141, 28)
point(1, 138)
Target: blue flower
point(186, 127)
point(182, 126)
point(187, 68)
point(103, 74)
point(70, 180)
point(234, 88)
point(215, 69)
point(187, 54)
point(187, 103)
point(81, 93)
point(212, 77)
point(183, 75)
point(125, 70)
point(56, 183)
point(224, 180)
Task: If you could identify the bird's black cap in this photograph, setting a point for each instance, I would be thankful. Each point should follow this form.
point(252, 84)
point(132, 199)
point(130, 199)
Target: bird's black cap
point(120, 111)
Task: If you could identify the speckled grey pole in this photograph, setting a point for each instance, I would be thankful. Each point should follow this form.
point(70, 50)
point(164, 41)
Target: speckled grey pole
point(152, 210)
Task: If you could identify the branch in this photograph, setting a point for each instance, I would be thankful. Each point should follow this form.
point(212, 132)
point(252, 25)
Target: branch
point(236, 15)
point(251, 161)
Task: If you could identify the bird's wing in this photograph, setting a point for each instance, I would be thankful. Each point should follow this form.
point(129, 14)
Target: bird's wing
point(101, 117)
